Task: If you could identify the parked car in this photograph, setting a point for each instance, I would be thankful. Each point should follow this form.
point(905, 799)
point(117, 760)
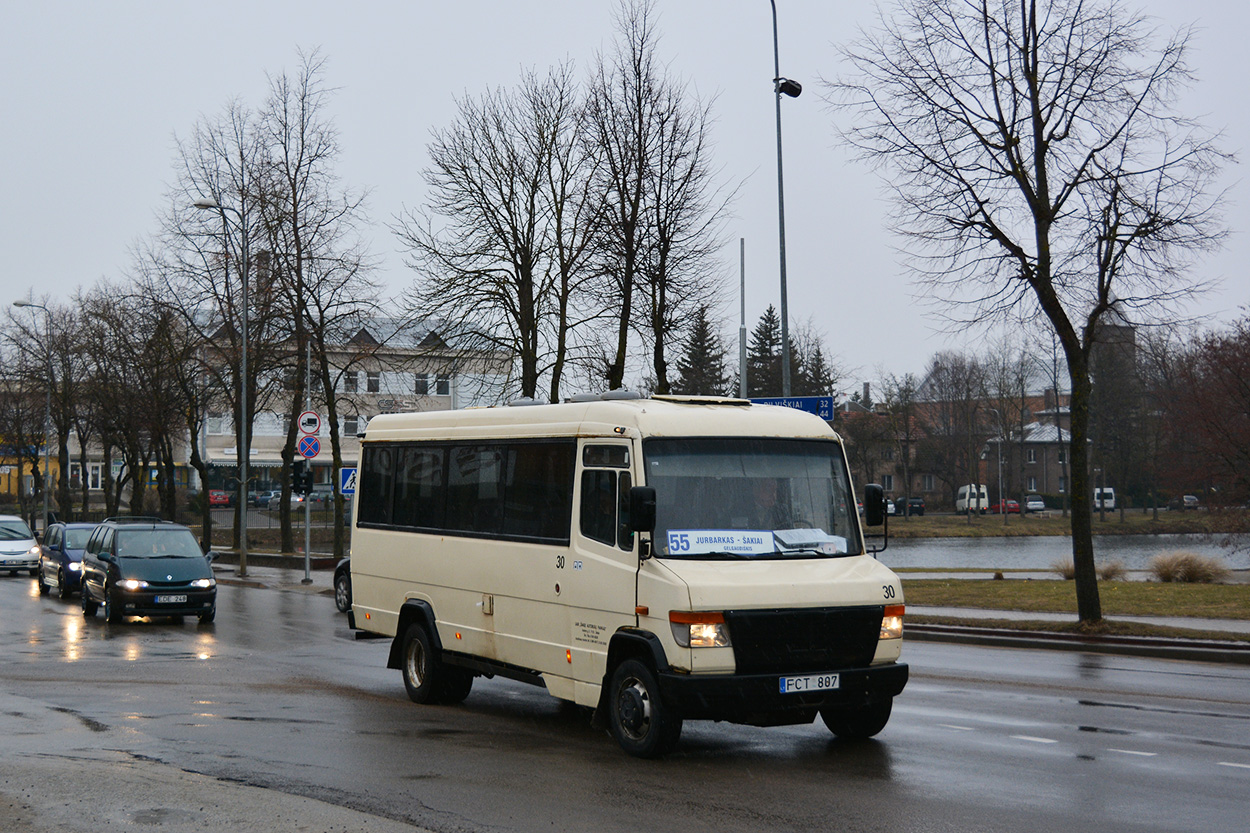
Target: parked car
point(1011, 507)
point(1034, 503)
point(1184, 502)
point(60, 558)
point(915, 506)
point(343, 585)
point(269, 500)
point(18, 548)
point(890, 508)
point(147, 567)
point(219, 497)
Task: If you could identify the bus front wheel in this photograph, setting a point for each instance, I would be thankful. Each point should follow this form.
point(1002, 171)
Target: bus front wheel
point(641, 723)
point(858, 722)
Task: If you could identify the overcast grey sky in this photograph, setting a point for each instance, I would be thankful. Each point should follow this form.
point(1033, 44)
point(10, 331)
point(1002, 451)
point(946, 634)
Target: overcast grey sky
point(94, 92)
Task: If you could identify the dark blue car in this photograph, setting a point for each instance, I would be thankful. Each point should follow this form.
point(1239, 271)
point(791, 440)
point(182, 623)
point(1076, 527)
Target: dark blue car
point(146, 567)
point(60, 561)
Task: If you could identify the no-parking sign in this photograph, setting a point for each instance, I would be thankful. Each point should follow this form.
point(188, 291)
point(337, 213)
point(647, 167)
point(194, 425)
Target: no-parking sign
point(309, 447)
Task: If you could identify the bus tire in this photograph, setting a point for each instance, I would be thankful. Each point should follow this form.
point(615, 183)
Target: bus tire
point(641, 723)
point(858, 722)
point(423, 673)
point(457, 683)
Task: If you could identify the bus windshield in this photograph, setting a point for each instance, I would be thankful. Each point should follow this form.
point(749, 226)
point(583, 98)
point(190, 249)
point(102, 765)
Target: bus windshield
point(736, 497)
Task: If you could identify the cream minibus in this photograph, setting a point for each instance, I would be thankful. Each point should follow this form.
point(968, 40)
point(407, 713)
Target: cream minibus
point(656, 559)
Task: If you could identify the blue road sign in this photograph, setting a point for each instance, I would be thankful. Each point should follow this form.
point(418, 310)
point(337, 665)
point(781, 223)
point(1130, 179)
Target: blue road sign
point(309, 446)
point(347, 481)
point(821, 406)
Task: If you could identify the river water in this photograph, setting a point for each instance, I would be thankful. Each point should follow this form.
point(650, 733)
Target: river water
point(1041, 552)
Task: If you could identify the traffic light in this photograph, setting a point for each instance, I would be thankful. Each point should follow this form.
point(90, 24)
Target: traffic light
point(299, 478)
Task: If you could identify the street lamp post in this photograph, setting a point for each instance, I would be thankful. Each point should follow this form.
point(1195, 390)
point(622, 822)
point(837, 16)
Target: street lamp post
point(792, 89)
point(1002, 430)
point(47, 402)
point(211, 204)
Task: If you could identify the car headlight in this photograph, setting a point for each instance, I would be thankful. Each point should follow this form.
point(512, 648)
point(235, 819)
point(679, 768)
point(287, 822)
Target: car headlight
point(699, 629)
point(204, 583)
point(35, 550)
point(132, 584)
point(74, 566)
point(892, 622)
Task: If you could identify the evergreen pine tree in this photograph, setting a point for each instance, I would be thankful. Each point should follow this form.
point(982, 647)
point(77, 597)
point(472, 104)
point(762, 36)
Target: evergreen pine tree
point(764, 356)
point(701, 367)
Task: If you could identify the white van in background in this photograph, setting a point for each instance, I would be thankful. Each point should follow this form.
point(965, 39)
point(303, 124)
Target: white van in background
point(973, 496)
point(1106, 496)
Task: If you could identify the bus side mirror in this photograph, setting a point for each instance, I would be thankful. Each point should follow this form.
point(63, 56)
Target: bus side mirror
point(642, 509)
point(874, 505)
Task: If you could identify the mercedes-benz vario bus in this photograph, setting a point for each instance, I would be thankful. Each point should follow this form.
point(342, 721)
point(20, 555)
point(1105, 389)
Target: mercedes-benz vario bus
point(657, 560)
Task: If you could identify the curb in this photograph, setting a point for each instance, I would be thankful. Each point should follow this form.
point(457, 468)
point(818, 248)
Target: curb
point(1200, 651)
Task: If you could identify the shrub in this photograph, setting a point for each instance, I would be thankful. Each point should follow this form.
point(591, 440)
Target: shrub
point(1065, 569)
point(1115, 571)
point(1188, 567)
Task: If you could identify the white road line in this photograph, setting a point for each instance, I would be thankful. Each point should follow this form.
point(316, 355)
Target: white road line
point(1134, 752)
point(1230, 763)
point(1031, 739)
point(957, 728)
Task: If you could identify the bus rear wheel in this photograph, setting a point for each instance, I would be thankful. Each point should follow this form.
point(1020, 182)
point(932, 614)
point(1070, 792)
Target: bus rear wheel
point(423, 672)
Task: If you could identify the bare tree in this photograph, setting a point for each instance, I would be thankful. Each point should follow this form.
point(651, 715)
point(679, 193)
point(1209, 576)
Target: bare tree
point(309, 223)
point(501, 250)
point(651, 136)
point(1039, 164)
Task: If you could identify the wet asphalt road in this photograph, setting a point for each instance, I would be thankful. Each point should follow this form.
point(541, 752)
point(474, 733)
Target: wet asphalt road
point(275, 718)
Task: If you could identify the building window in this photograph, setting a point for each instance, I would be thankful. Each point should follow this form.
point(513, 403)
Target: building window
point(423, 384)
point(1063, 484)
point(351, 426)
point(1063, 455)
point(215, 423)
point(442, 385)
point(351, 381)
point(1032, 484)
point(374, 381)
point(887, 482)
point(1031, 455)
point(927, 483)
point(887, 453)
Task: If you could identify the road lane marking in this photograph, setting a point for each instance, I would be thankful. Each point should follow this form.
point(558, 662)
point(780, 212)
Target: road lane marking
point(1230, 763)
point(957, 728)
point(1032, 739)
point(1133, 752)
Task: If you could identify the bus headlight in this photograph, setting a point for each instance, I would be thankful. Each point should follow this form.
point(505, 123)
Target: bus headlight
point(699, 629)
point(892, 622)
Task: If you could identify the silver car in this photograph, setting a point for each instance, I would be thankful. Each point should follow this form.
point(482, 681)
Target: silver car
point(18, 548)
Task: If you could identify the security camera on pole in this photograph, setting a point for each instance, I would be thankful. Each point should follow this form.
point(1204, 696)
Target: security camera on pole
point(309, 447)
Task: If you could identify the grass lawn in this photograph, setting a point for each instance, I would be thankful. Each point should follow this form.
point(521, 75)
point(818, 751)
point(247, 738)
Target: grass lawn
point(1124, 598)
point(1134, 522)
